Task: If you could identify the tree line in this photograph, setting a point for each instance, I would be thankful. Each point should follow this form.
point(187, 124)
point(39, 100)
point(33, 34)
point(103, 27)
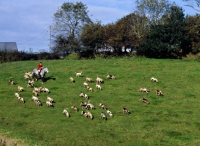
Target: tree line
point(157, 29)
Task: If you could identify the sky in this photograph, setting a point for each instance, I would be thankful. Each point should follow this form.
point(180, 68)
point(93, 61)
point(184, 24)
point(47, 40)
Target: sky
point(27, 22)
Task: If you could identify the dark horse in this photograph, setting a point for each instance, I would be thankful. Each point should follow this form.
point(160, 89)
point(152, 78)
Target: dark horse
point(36, 76)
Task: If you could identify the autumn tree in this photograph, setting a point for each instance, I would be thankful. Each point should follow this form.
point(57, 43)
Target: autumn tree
point(110, 40)
point(122, 30)
point(137, 28)
point(193, 27)
point(91, 35)
point(69, 21)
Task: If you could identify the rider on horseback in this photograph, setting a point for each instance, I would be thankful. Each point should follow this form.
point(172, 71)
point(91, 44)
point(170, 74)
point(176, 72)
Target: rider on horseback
point(39, 68)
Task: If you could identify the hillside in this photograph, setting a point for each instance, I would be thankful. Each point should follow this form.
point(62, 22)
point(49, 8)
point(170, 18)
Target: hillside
point(172, 119)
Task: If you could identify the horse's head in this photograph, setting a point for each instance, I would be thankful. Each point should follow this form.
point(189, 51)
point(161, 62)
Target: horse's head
point(45, 70)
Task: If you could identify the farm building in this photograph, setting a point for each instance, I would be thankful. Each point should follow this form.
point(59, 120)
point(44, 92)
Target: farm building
point(8, 46)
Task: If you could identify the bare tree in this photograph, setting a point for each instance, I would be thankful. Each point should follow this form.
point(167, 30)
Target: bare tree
point(152, 9)
point(195, 4)
point(69, 21)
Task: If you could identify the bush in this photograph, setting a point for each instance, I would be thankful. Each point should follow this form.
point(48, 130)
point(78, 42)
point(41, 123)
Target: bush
point(191, 56)
point(7, 56)
point(73, 56)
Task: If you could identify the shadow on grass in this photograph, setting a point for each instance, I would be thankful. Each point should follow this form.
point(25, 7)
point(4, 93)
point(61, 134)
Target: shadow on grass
point(49, 78)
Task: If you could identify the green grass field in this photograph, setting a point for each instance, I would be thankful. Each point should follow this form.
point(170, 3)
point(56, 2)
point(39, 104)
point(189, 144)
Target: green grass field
point(172, 119)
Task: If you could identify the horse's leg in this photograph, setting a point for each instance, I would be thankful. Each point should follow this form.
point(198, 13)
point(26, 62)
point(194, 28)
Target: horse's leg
point(36, 77)
point(42, 78)
point(33, 77)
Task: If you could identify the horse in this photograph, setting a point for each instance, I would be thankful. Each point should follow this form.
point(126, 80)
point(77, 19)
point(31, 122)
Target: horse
point(36, 76)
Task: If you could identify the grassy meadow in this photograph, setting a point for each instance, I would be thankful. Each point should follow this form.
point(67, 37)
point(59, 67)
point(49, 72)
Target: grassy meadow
point(172, 119)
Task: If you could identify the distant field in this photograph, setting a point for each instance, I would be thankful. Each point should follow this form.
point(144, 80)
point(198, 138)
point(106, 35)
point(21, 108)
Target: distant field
point(172, 119)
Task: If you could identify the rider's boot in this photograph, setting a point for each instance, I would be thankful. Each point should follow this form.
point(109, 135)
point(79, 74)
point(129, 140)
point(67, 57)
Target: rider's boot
point(39, 73)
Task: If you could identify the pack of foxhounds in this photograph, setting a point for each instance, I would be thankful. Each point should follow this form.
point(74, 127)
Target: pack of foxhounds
point(86, 107)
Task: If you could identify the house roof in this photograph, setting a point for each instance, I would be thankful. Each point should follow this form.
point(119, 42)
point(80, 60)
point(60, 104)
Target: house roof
point(8, 46)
